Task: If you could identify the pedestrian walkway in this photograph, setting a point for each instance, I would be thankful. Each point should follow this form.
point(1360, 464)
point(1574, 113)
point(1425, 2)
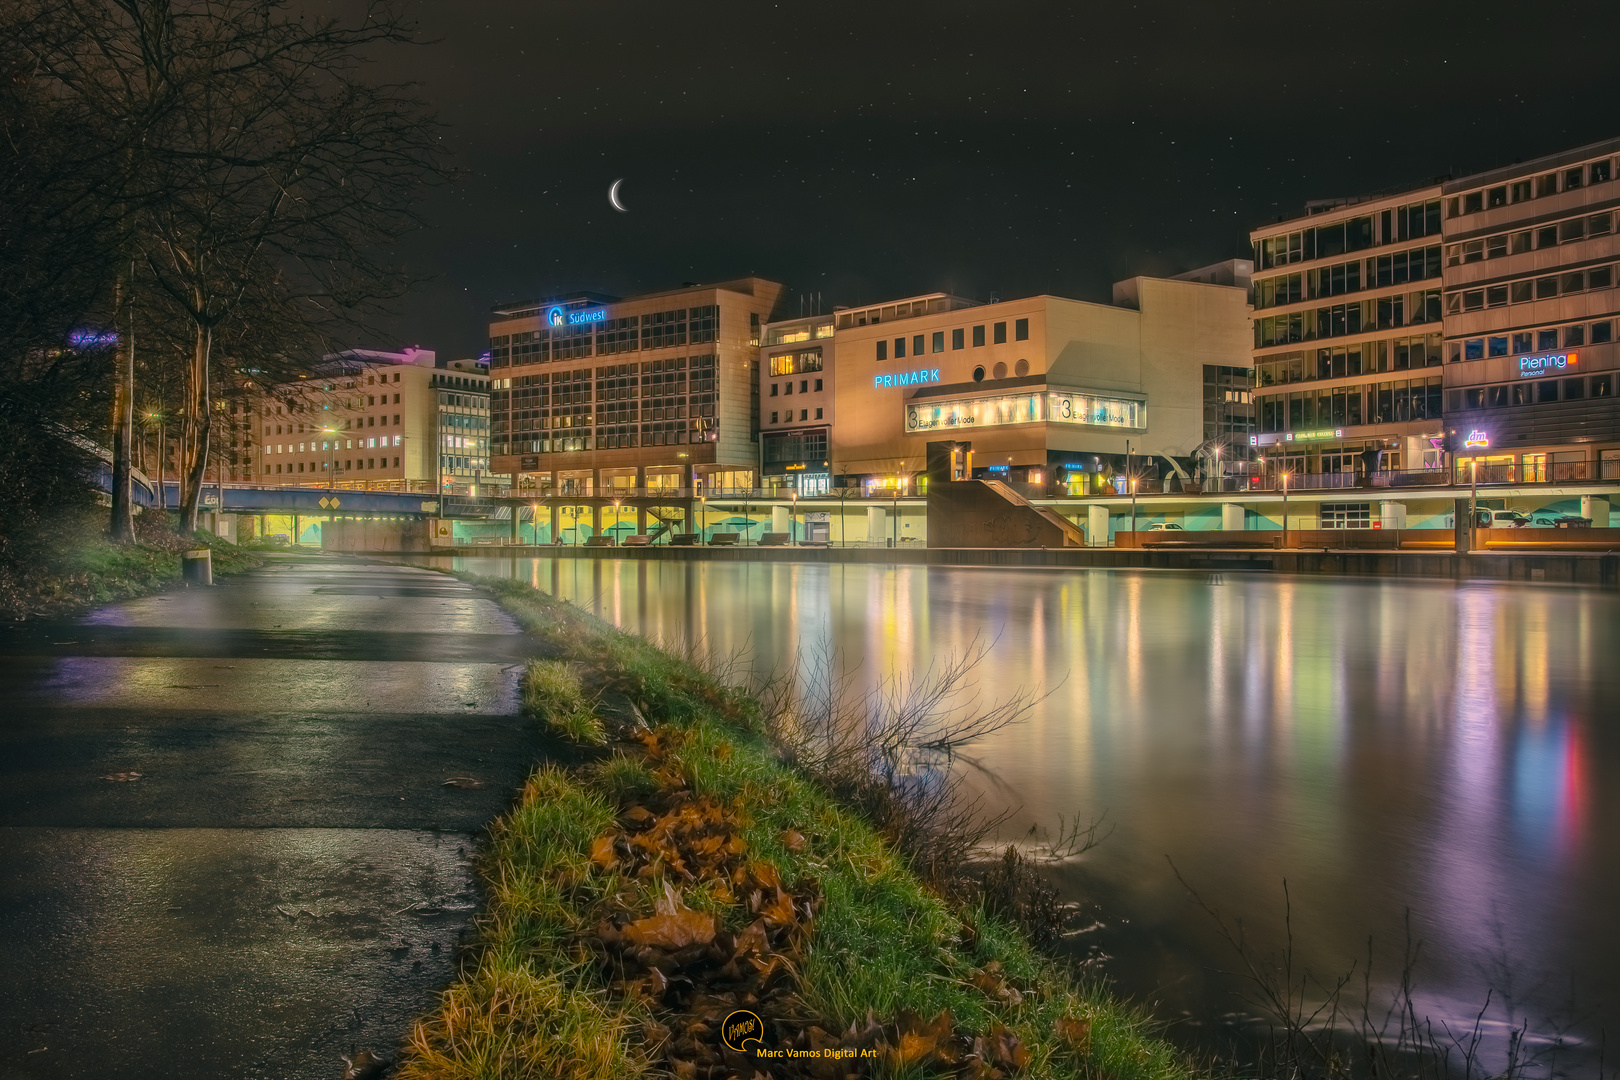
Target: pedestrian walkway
point(237, 823)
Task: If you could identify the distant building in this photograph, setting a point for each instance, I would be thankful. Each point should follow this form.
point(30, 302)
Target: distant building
point(1041, 391)
point(594, 394)
point(378, 420)
point(1531, 300)
point(1347, 336)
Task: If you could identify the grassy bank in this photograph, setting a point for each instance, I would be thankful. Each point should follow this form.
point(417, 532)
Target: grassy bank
point(71, 564)
point(682, 872)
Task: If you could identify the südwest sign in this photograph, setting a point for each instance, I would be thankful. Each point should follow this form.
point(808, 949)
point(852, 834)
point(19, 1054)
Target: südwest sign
point(560, 317)
point(1545, 364)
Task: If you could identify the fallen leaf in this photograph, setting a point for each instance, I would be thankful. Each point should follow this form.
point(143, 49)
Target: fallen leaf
point(122, 776)
point(1006, 1048)
point(1074, 1032)
point(463, 782)
point(602, 853)
point(793, 841)
point(675, 925)
point(912, 1049)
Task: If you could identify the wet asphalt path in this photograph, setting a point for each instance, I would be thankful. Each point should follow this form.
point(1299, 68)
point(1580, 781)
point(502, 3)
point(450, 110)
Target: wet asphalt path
point(289, 876)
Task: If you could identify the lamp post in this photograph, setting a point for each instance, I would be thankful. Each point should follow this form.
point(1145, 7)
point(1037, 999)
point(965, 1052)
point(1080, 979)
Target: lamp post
point(703, 515)
point(793, 517)
point(534, 519)
point(1133, 511)
point(1473, 500)
point(1218, 475)
point(614, 528)
point(1285, 508)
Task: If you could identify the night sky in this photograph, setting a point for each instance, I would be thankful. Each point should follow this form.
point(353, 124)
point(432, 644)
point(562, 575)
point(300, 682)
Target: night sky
point(873, 150)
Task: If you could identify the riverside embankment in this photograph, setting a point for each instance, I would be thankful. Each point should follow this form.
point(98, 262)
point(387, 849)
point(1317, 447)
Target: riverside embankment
point(1593, 568)
point(1381, 744)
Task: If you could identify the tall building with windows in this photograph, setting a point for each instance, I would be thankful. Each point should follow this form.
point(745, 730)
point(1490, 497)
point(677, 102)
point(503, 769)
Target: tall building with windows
point(593, 394)
point(1531, 258)
point(797, 366)
point(1348, 336)
point(377, 420)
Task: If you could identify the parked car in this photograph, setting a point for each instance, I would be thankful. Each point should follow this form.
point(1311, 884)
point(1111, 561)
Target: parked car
point(1165, 526)
point(1500, 519)
point(1555, 520)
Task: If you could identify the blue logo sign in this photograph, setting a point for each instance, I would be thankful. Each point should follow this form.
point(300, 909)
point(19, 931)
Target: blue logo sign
point(559, 317)
point(555, 316)
point(907, 378)
point(1530, 366)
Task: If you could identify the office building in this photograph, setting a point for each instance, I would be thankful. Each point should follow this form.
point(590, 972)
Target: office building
point(376, 420)
point(595, 394)
point(1041, 391)
point(1347, 336)
point(1531, 304)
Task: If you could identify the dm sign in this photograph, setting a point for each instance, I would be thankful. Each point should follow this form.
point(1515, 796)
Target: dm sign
point(1546, 364)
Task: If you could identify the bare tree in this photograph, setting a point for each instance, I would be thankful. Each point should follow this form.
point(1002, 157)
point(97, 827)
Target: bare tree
point(264, 176)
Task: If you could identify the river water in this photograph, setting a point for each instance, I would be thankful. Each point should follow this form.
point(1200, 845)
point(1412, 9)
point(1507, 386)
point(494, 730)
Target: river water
point(1388, 748)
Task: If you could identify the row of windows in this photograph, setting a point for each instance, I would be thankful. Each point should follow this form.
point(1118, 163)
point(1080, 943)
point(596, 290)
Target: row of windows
point(935, 343)
point(1535, 187)
point(1369, 358)
point(1516, 242)
point(1341, 320)
point(804, 387)
point(789, 447)
point(1395, 402)
point(796, 363)
point(1391, 226)
point(787, 417)
point(1525, 290)
point(349, 465)
point(659, 330)
point(614, 437)
point(1522, 342)
point(1399, 268)
point(1530, 392)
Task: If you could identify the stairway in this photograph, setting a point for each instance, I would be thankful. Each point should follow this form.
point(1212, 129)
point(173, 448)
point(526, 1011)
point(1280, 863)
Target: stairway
point(988, 513)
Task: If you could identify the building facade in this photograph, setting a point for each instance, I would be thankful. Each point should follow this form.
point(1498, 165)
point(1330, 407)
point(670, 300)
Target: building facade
point(797, 368)
point(594, 394)
point(376, 420)
point(1531, 303)
point(1042, 391)
point(1347, 345)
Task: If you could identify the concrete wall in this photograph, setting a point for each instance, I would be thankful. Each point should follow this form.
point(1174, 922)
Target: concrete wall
point(971, 514)
point(403, 536)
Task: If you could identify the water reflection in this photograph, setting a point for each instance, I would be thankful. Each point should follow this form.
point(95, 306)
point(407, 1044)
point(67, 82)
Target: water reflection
point(1382, 745)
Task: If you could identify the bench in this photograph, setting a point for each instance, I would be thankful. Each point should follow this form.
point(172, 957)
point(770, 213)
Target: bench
point(723, 540)
point(773, 539)
point(601, 541)
point(683, 540)
point(637, 540)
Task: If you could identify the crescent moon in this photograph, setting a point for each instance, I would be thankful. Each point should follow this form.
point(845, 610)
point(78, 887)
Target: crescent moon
point(613, 197)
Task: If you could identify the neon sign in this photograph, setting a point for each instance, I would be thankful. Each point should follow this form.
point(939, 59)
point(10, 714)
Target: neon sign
point(1056, 407)
point(1477, 438)
point(906, 378)
point(1312, 436)
point(1531, 366)
point(558, 317)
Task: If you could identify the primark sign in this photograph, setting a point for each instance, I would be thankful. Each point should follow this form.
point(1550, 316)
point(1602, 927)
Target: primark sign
point(907, 378)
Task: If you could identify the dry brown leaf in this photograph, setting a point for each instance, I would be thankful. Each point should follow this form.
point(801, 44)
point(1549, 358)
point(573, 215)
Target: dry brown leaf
point(1074, 1032)
point(1006, 1048)
point(602, 853)
point(675, 926)
point(779, 910)
point(792, 840)
point(637, 814)
point(912, 1049)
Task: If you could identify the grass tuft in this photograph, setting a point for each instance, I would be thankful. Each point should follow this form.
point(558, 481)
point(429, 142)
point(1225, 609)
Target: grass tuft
point(552, 692)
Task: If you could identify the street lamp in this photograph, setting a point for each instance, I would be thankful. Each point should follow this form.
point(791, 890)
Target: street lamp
point(1285, 508)
point(1473, 500)
point(793, 516)
point(1133, 510)
point(614, 528)
point(703, 515)
point(1218, 476)
point(534, 517)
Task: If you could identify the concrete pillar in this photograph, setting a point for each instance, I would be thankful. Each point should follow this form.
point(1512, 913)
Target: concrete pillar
point(780, 520)
point(1392, 515)
point(1233, 517)
point(1596, 507)
point(641, 520)
point(596, 519)
point(1097, 525)
point(556, 521)
point(877, 526)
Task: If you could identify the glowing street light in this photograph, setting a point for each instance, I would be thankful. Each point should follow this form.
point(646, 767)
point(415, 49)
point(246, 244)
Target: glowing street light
point(1285, 508)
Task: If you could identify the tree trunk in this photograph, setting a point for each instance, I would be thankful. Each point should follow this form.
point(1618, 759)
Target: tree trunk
point(122, 526)
point(199, 421)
